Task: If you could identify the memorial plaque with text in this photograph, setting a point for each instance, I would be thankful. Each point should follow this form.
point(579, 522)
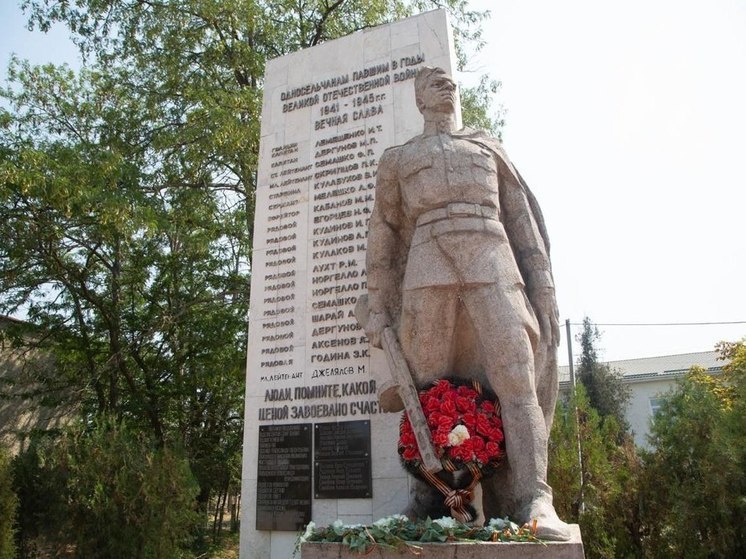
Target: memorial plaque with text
point(283, 499)
point(325, 124)
point(341, 458)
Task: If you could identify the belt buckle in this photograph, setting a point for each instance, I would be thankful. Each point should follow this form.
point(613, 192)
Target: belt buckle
point(461, 209)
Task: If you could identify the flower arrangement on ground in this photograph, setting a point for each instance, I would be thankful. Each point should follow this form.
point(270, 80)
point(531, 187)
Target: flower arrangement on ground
point(399, 532)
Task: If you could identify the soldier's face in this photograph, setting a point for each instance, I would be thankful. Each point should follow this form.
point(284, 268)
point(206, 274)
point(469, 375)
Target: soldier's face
point(438, 95)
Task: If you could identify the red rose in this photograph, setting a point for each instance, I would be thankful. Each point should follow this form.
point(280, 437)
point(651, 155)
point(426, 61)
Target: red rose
point(431, 404)
point(488, 407)
point(492, 449)
point(483, 425)
point(446, 423)
point(470, 421)
point(410, 454)
point(440, 387)
point(465, 404)
point(440, 437)
point(448, 407)
point(463, 451)
point(407, 439)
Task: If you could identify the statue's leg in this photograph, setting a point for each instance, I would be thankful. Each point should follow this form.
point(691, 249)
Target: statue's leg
point(547, 383)
point(507, 333)
point(426, 335)
point(426, 332)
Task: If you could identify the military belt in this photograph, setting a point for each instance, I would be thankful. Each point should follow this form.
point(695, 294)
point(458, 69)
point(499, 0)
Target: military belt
point(457, 209)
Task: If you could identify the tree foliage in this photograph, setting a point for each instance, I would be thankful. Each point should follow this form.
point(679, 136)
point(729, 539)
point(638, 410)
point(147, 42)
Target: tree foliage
point(201, 62)
point(8, 506)
point(109, 492)
point(133, 266)
point(41, 491)
point(477, 109)
point(593, 465)
point(694, 488)
point(685, 497)
point(605, 387)
point(127, 202)
point(594, 478)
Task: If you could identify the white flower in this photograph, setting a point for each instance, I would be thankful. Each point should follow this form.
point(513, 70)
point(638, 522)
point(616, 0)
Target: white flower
point(458, 435)
point(498, 523)
point(387, 521)
point(502, 523)
point(309, 532)
point(446, 522)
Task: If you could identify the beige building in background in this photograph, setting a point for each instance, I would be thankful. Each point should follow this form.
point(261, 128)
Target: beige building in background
point(22, 411)
point(649, 380)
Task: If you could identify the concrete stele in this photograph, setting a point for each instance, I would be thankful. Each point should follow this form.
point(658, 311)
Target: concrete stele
point(328, 114)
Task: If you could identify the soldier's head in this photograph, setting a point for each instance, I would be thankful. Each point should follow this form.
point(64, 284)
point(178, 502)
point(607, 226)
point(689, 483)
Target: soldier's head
point(434, 91)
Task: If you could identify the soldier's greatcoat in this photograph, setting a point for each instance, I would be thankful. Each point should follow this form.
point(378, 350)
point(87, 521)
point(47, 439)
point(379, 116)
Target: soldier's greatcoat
point(451, 210)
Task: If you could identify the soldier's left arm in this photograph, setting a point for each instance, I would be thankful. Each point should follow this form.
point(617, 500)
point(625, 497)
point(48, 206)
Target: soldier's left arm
point(530, 248)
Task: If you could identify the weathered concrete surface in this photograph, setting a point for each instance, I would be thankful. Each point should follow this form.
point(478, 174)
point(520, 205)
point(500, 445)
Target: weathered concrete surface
point(572, 549)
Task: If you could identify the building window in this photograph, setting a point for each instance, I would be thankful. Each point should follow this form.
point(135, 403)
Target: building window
point(655, 405)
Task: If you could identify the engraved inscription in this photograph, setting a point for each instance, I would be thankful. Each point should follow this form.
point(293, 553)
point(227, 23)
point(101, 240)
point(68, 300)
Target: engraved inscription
point(283, 477)
point(320, 196)
point(342, 464)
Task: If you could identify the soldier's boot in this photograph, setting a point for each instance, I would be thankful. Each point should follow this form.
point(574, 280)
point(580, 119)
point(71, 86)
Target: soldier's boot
point(526, 440)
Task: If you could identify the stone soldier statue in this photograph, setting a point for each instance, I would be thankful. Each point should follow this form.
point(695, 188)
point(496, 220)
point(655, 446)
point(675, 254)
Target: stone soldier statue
point(458, 265)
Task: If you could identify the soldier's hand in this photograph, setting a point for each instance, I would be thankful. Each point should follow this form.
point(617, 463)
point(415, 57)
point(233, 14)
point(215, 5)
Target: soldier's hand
point(545, 306)
point(377, 322)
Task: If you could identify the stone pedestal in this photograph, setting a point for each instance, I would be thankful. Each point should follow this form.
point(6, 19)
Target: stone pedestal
point(572, 549)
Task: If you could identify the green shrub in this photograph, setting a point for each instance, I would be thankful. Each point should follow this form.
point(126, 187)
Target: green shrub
point(40, 488)
point(694, 487)
point(126, 498)
point(8, 504)
point(105, 492)
point(605, 503)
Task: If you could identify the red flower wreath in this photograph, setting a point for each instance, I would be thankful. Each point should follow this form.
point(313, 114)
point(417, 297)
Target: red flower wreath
point(465, 426)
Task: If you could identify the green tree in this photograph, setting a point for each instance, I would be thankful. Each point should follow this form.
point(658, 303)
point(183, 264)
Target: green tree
point(127, 202)
point(115, 494)
point(605, 387)
point(139, 280)
point(694, 487)
point(477, 108)
point(594, 478)
point(42, 497)
point(8, 505)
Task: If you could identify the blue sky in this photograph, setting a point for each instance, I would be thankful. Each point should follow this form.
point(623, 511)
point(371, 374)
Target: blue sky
point(628, 121)
point(37, 47)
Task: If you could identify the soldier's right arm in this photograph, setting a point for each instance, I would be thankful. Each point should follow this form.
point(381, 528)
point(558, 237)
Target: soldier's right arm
point(384, 258)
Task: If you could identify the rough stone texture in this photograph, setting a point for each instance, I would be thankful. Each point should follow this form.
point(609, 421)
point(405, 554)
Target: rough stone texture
point(458, 263)
point(572, 549)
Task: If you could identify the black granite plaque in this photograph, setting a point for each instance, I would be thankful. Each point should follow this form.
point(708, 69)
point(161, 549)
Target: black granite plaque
point(283, 500)
point(342, 467)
